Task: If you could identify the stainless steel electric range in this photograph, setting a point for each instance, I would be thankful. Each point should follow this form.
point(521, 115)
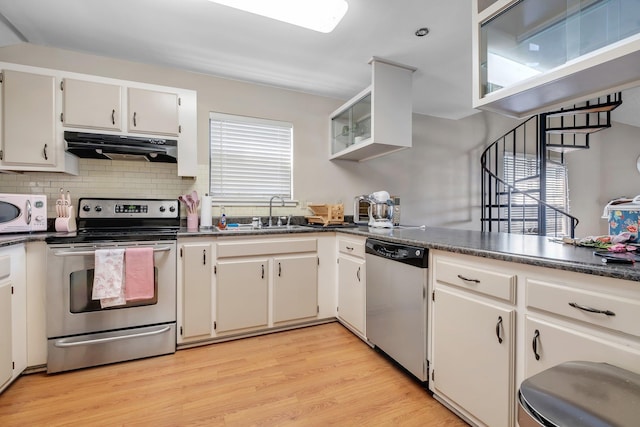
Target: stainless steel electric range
point(80, 332)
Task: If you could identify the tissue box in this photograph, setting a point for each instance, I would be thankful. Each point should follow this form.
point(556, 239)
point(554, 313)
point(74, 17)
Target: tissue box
point(623, 218)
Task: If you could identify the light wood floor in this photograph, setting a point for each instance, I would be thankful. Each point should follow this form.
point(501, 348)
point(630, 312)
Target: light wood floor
point(316, 376)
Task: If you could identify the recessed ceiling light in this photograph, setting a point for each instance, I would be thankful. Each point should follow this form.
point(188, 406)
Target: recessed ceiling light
point(421, 32)
point(317, 15)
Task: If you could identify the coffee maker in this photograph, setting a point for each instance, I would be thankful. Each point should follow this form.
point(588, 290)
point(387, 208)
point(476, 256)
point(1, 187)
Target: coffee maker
point(380, 209)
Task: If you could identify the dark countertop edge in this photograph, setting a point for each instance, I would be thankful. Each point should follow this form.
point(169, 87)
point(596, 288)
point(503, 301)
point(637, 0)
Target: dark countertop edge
point(16, 239)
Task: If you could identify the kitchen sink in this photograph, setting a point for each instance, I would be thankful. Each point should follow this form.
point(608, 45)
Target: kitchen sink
point(249, 228)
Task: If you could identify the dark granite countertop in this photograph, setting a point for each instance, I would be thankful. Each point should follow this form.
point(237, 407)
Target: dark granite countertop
point(532, 250)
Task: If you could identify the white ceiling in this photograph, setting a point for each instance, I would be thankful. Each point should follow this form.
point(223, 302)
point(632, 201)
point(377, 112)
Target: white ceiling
point(204, 37)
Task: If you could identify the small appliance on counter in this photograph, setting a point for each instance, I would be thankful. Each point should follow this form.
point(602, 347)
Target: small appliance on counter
point(23, 213)
point(380, 209)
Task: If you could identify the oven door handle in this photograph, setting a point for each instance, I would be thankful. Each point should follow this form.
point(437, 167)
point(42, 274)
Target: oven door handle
point(66, 342)
point(85, 253)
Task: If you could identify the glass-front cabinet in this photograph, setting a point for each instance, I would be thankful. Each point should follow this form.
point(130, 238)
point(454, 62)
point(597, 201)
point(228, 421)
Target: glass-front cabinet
point(377, 121)
point(532, 54)
point(353, 124)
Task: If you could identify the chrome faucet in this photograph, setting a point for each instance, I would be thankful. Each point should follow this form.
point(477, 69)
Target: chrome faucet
point(271, 207)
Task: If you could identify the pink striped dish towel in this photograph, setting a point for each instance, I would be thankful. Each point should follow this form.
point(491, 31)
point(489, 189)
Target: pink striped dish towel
point(139, 274)
point(108, 277)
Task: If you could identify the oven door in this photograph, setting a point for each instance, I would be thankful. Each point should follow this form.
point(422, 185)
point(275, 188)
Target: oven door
point(70, 309)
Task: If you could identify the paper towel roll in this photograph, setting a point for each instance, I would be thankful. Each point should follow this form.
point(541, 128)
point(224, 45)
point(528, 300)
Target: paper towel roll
point(205, 212)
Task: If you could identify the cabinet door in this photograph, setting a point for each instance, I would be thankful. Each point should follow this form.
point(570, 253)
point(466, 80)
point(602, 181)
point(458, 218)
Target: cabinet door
point(473, 356)
point(554, 344)
point(6, 355)
point(91, 105)
point(351, 292)
point(241, 294)
point(153, 112)
point(28, 119)
point(196, 288)
point(295, 287)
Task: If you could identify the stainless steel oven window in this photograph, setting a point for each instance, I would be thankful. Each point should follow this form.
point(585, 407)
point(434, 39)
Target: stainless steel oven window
point(81, 287)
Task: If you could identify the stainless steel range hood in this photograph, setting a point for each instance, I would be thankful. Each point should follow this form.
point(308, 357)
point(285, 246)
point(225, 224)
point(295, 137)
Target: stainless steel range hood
point(121, 147)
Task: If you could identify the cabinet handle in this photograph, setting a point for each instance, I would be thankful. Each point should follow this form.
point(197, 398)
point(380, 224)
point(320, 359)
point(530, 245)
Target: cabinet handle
point(498, 327)
point(204, 257)
point(591, 310)
point(113, 117)
point(349, 248)
point(279, 270)
point(461, 277)
point(358, 274)
point(134, 119)
point(536, 337)
point(44, 152)
point(263, 271)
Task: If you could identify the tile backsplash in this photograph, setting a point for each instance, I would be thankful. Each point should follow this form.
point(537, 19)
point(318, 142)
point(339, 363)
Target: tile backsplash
point(121, 178)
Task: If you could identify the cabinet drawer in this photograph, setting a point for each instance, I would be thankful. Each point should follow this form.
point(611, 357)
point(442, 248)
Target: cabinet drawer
point(351, 247)
point(266, 247)
point(605, 310)
point(467, 276)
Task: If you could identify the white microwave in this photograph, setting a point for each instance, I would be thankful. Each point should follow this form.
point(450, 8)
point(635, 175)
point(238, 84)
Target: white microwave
point(20, 213)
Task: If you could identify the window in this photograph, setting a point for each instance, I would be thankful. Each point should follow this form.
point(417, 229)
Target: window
point(250, 159)
point(521, 171)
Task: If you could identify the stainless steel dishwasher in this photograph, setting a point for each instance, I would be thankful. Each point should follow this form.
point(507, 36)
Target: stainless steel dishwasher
point(396, 314)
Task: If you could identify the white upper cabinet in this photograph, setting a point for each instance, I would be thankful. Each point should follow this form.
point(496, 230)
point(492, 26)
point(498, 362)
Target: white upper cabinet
point(93, 105)
point(153, 112)
point(28, 119)
point(39, 104)
point(378, 120)
point(531, 56)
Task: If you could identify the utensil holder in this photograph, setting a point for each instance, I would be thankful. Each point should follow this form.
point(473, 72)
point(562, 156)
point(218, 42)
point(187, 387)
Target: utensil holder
point(66, 224)
point(192, 222)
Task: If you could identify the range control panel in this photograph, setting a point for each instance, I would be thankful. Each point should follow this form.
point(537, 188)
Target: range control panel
point(128, 208)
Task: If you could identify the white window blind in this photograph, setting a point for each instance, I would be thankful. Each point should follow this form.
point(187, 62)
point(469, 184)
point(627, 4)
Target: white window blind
point(250, 159)
point(517, 170)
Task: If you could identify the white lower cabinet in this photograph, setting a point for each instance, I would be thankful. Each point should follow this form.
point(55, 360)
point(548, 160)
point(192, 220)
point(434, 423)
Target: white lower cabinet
point(242, 294)
point(352, 283)
point(549, 343)
point(473, 337)
point(6, 349)
point(295, 287)
point(13, 314)
point(473, 343)
point(230, 287)
point(581, 317)
point(195, 273)
point(544, 317)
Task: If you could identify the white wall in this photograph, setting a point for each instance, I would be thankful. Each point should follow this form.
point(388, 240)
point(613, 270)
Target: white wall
point(437, 180)
point(604, 172)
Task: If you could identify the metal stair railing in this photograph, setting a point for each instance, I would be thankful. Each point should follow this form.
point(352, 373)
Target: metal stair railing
point(506, 207)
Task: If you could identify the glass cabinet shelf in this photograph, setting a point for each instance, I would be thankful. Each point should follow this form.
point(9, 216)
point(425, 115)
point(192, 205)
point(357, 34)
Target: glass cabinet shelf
point(529, 54)
point(377, 121)
point(353, 125)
